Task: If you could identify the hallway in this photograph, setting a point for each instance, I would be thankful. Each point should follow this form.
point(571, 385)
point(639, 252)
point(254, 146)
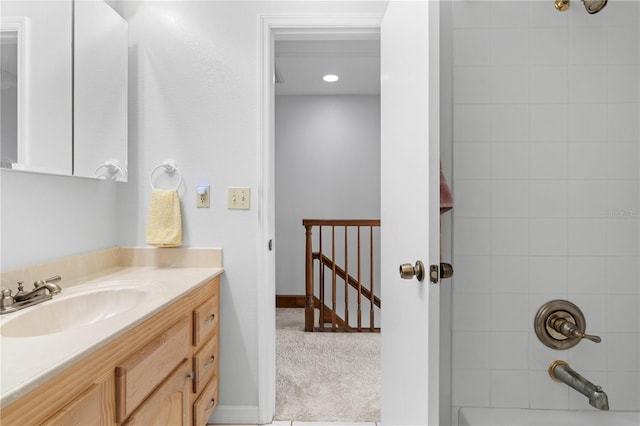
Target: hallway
point(326, 377)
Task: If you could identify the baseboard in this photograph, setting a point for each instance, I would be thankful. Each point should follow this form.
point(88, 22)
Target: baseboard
point(290, 301)
point(299, 301)
point(235, 414)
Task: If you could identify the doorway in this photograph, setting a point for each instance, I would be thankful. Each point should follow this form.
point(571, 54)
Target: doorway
point(284, 28)
point(279, 27)
point(327, 147)
point(327, 166)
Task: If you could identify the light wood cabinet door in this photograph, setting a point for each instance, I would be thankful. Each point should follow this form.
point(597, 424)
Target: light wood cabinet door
point(140, 373)
point(93, 407)
point(169, 403)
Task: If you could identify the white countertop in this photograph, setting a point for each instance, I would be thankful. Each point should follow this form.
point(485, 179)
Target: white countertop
point(27, 362)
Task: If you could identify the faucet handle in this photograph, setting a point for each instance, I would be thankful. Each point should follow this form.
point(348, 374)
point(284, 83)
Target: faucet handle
point(593, 338)
point(7, 299)
point(20, 291)
point(569, 329)
point(560, 324)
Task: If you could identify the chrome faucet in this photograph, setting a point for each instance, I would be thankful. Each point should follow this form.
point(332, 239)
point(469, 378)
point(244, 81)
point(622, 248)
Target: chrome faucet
point(40, 287)
point(43, 290)
point(560, 371)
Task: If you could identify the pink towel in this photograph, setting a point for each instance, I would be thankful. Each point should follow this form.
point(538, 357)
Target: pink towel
point(446, 198)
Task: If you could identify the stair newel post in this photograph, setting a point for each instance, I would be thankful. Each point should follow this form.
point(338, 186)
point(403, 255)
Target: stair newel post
point(308, 311)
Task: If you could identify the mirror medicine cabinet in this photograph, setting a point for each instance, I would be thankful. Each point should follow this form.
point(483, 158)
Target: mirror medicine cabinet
point(64, 88)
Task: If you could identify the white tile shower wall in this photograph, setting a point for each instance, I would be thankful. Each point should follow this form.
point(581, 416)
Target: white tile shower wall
point(545, 151)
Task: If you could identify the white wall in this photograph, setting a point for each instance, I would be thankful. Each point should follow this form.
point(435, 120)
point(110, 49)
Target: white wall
point(48, 217)
point(194, 68)
point(546, 186)
point(327, 157)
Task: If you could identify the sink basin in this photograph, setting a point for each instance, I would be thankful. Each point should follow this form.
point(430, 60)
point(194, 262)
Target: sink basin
point(77, 307)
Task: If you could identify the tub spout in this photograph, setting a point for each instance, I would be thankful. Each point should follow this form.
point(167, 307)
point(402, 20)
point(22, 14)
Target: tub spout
point(599, 399)
point(560, 371)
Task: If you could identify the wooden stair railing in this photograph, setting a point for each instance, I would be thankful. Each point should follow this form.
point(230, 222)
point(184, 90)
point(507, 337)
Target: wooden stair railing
point(352, 281)
point(328, 314)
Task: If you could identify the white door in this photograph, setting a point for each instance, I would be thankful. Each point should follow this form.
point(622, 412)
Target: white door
point(409, 212)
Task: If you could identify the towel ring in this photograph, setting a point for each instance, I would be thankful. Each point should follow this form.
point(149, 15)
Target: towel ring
point(169, 168)
point(113, 169)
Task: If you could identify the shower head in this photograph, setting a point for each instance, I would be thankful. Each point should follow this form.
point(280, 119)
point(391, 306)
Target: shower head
point(594, 6)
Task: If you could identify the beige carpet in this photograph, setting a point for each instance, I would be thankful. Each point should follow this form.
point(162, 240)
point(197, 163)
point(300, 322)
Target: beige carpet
point(325, 376)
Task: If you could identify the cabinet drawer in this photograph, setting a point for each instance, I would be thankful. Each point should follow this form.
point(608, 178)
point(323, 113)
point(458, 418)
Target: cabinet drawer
point(205, 404)
point(139, 374)
point(205, 319)
point(205, 363)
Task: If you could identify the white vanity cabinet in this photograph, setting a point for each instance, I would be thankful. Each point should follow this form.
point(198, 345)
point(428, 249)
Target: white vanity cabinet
point(162, 372)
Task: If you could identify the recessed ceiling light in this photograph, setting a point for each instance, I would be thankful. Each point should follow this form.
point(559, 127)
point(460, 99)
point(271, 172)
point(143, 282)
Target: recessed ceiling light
point(331, 78)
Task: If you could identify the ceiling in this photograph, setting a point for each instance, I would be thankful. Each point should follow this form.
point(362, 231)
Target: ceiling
point(301, 64)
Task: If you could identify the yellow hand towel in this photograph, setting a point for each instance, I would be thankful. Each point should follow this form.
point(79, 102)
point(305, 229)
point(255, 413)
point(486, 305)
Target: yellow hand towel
point(164, 228)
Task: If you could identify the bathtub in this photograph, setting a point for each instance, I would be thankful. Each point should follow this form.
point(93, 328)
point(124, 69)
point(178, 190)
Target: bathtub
point(523, 417)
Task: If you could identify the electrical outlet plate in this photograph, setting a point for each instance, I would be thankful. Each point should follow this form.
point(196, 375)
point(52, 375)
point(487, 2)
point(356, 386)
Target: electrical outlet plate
point(203, 201)
point(239, 198)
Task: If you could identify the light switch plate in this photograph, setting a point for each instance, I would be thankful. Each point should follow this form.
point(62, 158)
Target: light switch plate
point(239, 198)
